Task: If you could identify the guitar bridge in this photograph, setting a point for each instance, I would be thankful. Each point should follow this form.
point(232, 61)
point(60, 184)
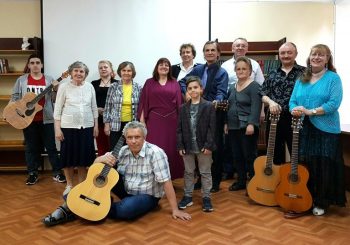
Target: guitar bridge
point(265, 190)
point(19, 113)
point(87, 199)
point(294, 196)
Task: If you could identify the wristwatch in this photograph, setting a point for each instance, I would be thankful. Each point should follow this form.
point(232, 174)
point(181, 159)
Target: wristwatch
point(314, 112)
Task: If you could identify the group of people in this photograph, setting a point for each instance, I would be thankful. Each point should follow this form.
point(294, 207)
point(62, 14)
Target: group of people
point(173, 125)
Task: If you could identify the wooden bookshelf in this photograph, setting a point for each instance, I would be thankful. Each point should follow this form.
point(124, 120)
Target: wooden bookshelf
point(11, 139)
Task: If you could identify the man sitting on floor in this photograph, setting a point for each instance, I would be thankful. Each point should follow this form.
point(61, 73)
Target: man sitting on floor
point(139, 190)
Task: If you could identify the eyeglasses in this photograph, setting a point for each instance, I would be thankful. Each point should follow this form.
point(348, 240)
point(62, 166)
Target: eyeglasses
point(35, 62)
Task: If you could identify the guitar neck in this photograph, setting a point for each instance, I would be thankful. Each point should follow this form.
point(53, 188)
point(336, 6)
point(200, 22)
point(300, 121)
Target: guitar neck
point(43, 93)
point(294, 155)
point(271, 145)
point(115, 152)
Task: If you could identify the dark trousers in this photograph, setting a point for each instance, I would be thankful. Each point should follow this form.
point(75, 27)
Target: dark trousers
point(218, 154)
point(37, 136)
point(244, 151)
point(130, 206)
point(284, 135)
point(115, 135)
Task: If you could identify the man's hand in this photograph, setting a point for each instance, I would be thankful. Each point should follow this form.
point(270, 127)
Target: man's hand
point(181, 215)
point(274, 107)
point(107, 158)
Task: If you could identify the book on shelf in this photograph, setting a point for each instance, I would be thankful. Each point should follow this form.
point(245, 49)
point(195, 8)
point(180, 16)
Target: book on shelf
point(4, 65)
point(268, 65)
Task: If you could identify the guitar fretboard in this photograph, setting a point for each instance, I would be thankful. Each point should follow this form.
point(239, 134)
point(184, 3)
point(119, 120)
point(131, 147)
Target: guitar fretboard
point(45, 91)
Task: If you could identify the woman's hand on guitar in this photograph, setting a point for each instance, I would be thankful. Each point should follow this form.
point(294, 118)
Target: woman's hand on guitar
point(298, 111)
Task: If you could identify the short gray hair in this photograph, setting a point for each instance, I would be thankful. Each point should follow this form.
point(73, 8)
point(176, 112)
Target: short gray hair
point(78, 64)
point(135, 124)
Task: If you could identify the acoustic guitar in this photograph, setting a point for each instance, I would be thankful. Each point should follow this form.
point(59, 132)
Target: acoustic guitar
point(20, 113)
point(292, 193)
point(91, 199)
point(261, 188)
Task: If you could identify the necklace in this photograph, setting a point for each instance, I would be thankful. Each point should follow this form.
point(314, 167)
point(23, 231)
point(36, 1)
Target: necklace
point(105, 84)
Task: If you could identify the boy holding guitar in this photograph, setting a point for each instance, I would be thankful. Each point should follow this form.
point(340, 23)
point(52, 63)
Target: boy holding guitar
point(40, 133)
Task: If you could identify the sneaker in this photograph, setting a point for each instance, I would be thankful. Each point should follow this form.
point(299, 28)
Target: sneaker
point(207, 207)
point(318, 211)
point(32, 179)
point(60, 178)
point(185, 202)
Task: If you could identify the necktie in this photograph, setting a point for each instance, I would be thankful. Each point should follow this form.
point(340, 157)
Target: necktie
point(205, 77)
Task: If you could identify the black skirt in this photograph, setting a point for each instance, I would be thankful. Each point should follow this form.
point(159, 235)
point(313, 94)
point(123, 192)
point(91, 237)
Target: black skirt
point(322, 153)
point(77, 148)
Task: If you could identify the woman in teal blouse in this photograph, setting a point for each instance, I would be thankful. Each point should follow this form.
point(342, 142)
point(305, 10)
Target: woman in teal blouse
point(316, 97)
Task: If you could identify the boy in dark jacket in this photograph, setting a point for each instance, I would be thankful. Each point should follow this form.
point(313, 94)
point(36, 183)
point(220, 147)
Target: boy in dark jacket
point(196, 138)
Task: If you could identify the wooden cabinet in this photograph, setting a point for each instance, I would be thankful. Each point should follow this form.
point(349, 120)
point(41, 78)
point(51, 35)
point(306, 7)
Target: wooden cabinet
point(11, 139)
point(264, 52)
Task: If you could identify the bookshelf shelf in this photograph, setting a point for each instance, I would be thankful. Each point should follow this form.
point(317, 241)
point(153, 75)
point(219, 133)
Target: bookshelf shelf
point(12, 74)
point(17, 52)
point(5, 97)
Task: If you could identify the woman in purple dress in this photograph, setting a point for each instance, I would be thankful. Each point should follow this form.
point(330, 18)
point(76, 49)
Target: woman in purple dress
point(158, 110)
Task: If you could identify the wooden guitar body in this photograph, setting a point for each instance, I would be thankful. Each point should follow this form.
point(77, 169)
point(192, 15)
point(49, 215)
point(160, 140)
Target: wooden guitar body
point(20, 113)
point(261, 188)
point(91, 198)
point(292, 193)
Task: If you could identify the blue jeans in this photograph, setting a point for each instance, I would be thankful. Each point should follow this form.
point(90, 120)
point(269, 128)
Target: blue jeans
point(37, 136)
point(130, 206)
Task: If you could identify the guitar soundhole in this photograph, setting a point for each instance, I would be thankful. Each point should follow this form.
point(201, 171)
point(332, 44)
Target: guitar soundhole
point(268, 171)
point(100, 180)
point(294, 178)
point(30, 109)
point(30, 106)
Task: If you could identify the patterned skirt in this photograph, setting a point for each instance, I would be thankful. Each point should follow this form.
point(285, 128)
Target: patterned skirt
point(322, 153)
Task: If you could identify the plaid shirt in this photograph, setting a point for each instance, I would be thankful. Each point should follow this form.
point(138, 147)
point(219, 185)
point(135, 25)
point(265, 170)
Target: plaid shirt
point(146, 172)
point(114, 101)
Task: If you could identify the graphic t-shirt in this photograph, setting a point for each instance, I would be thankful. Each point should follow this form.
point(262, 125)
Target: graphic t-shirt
point(37, 86)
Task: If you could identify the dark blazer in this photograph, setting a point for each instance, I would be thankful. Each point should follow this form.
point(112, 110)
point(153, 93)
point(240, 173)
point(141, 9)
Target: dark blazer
point(175, 70)
point(205, 128)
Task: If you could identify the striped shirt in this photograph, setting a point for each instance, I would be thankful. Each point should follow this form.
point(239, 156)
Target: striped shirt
point(114, 102)
point(146, 172)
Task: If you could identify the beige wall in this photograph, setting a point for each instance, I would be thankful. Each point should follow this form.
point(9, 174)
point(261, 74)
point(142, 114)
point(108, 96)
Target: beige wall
point(305, 24)
point(19, 18)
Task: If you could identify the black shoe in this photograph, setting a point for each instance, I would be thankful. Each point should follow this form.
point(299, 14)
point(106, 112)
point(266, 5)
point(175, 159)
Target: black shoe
point(236, 187)
point(214, 189)
point(32, 179)
point(227, 176)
